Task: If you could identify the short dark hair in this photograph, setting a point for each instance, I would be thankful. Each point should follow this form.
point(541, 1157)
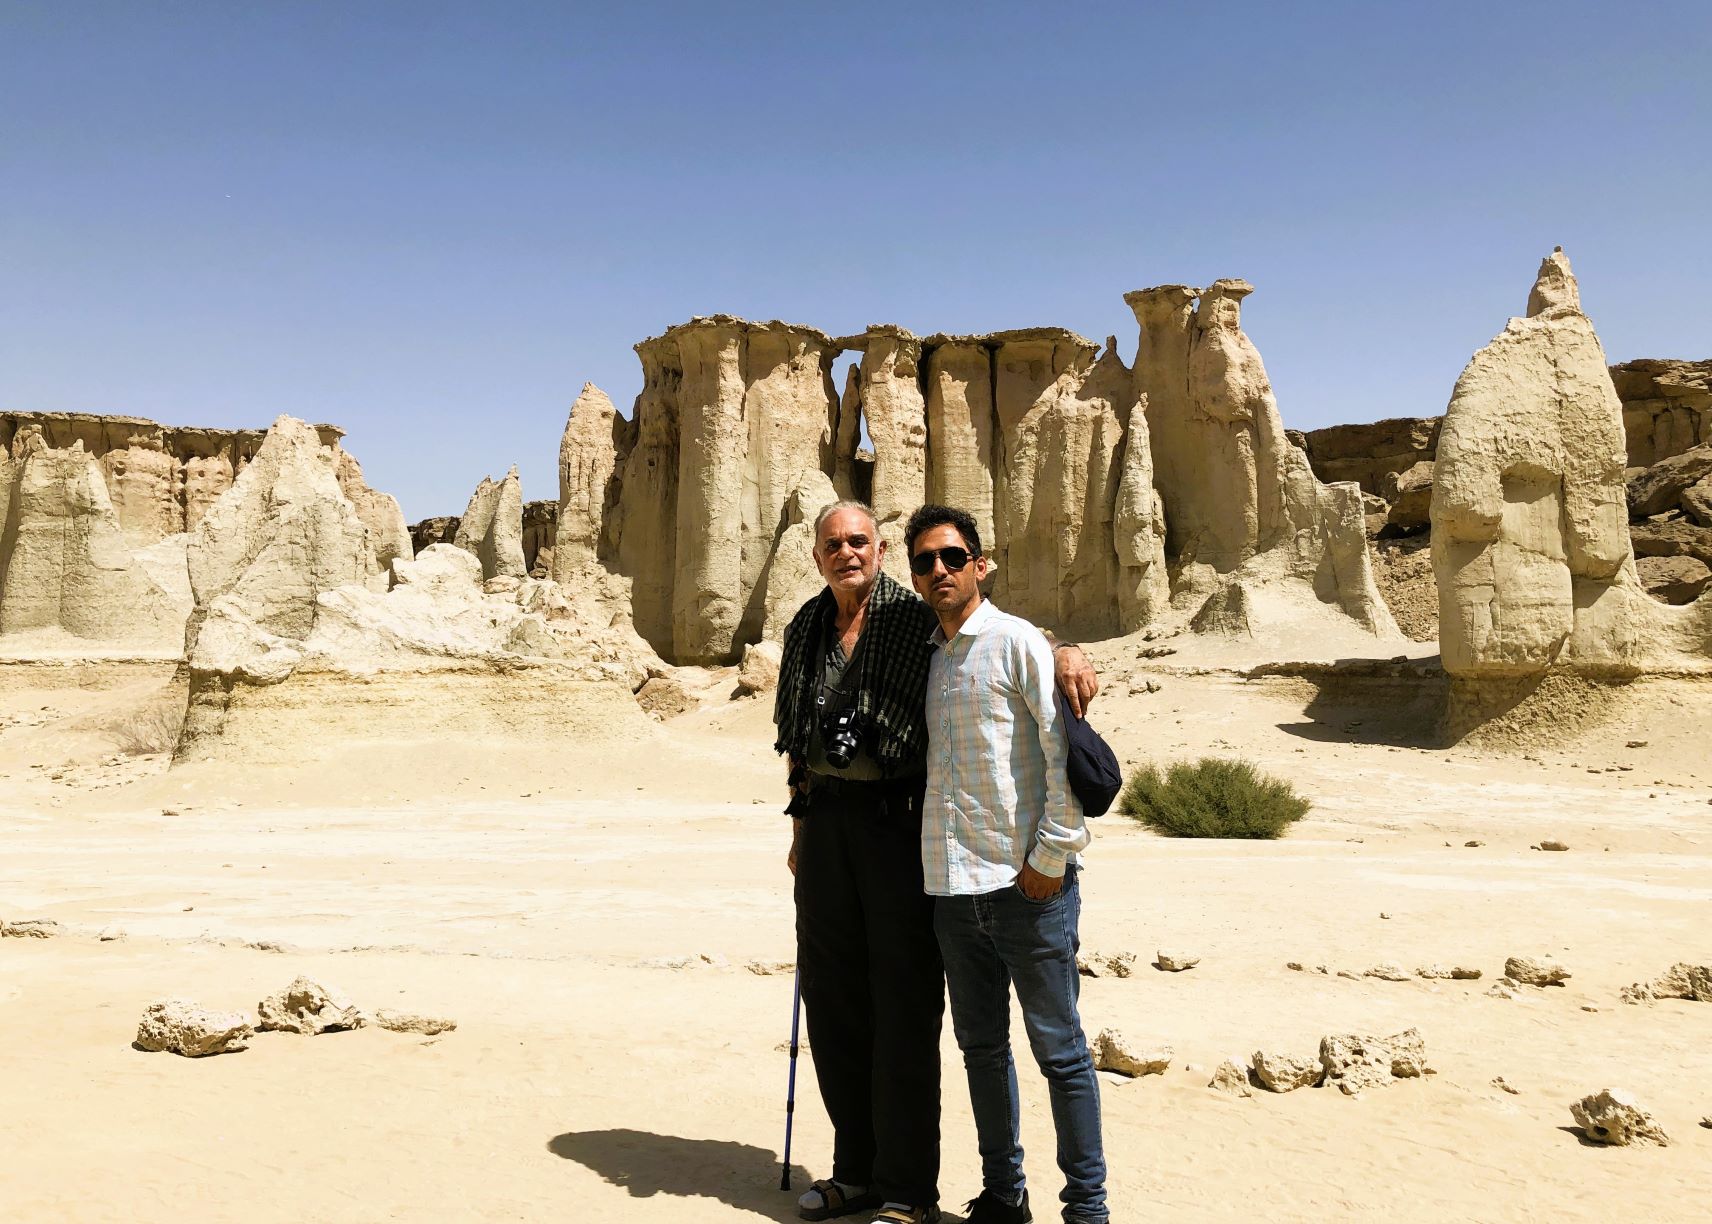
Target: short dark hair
point(931, 516)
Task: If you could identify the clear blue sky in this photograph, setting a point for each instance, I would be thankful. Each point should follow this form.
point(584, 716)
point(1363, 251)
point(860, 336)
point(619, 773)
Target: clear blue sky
point(430, 223)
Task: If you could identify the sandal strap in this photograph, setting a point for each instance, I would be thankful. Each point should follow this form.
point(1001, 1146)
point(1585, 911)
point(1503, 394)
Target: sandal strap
point(831, 1194)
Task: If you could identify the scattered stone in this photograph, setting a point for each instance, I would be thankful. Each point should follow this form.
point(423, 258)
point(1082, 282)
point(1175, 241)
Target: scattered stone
point(1114, 1052)
point(1500, 990)
point(1530, 972)
point(1636, 744)
point(1354, 1062)
point(1460, 973)
point(30, 928)
point(1099, 964)
point(770, 968)
point(1175, 962)
point(1553, 845)
point(308, 1008)
point(1387, 973)
point(1384, 915)
point(1286, 1072)
point(759, 670)
point(265, 945)
point(110, 933)
point(1469, 845)
point(1345, 973)
point(1501, 1082)
point(410, 1022)
point(1707, 1121)
point(1611, 1116)
point(1680, 981)
point(1231, 1078)
point(180, 1027)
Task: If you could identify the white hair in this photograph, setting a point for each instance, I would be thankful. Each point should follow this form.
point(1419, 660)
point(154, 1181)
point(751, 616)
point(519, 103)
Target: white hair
point(848, 503)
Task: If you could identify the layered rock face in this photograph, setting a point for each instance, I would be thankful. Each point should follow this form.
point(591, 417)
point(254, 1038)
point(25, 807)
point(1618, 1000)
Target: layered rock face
point(730, 414)
point(885, 391)
point(1531, 546)
point(1052, 446)
point(161, 479)
point(1667, 407)
point(68, 569)
point(267, 549)
point(1373, 456)
point(1243, 510)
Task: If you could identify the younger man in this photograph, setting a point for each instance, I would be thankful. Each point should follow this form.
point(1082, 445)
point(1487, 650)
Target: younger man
point(999, 837)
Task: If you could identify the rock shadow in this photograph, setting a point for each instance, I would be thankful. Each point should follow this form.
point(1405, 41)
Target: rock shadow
point(1371, 701)
point(739, 1175)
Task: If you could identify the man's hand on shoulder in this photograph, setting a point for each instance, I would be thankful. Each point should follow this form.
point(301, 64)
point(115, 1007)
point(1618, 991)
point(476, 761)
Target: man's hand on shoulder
point(1075, 676)
point(1038, 887)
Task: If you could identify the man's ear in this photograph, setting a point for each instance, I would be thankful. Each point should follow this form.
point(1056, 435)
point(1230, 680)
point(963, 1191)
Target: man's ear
point(879, 547)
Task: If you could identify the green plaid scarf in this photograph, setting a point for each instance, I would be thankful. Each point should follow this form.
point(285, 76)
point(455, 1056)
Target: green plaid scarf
point(889, 671)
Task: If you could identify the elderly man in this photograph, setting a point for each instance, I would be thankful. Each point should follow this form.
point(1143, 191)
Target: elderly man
point(850, 717)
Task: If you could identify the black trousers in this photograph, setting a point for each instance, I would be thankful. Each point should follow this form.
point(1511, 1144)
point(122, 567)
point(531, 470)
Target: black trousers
point(873, 986)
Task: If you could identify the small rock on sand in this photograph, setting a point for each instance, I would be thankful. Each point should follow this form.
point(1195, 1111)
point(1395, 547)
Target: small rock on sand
point(1285, 1072)
point(1100, 964)
point(1353, 1061)
point(410, 1022)
point(1388, 973)
point(1114, 1052)
point(308, 1008)
point(1611, 1116)
point(30, 928)
point(180, 1027)
point(1459, 973)
point(1176, 962)
point(771, 968)
point(1531, 972)
point(110, 933)
point(1231, 1078)
point(1553, 845)
point(1501, 1082)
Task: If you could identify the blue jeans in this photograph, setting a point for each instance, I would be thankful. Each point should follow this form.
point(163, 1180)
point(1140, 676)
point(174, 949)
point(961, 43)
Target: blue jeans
point(990, 943)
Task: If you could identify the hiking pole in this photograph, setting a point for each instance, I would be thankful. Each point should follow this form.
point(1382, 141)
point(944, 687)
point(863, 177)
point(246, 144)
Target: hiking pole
point(791, 1091)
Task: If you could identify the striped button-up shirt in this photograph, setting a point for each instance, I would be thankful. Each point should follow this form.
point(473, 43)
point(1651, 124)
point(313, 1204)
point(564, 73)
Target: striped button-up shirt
point(997, 793)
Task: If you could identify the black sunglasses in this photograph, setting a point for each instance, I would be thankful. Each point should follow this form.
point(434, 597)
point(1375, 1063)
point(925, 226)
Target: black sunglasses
point(954, 558)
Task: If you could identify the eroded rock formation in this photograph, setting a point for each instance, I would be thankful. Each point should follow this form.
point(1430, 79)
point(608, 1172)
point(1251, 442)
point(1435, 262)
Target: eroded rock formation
point(69, 572)
point(1530, 525)
point(1247, 524)
point(491, 527)
point(730, 414)
point(1531, 545)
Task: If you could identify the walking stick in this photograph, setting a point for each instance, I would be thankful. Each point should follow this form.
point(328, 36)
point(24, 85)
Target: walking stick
point(791, 1091)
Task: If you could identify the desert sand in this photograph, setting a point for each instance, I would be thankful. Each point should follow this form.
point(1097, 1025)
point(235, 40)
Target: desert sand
point(587, 915)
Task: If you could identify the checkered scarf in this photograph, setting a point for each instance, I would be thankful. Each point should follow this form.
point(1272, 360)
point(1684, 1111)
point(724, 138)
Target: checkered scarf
point(890, 673)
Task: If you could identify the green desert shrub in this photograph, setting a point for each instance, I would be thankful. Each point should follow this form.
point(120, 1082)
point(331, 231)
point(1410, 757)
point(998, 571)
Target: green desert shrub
point(1212, 797)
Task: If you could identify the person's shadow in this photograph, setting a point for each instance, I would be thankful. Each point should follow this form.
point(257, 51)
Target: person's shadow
point(737, 1174)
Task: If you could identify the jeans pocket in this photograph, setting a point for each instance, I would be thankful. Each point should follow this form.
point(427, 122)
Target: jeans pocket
point(1040, 904)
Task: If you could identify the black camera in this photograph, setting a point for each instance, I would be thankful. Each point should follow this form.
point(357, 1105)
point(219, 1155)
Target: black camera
point(842, 738)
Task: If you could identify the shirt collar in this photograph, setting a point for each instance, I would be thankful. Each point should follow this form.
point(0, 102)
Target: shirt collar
point(979, 617)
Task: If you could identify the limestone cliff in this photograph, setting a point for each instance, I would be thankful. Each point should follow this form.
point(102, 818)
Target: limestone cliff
point(730, 415)
point(1242, 506)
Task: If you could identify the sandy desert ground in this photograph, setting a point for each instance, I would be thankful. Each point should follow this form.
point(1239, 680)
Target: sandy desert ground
point(560, 904)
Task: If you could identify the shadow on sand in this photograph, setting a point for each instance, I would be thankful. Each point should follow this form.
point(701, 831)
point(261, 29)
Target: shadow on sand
point(1385, 702)
point(736, 1174)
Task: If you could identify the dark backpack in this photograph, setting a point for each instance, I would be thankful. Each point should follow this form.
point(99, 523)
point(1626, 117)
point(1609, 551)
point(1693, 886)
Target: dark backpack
point(1095, 778)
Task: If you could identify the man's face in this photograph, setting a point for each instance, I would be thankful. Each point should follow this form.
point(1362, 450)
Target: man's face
point(947, 592)
point(847, 552)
